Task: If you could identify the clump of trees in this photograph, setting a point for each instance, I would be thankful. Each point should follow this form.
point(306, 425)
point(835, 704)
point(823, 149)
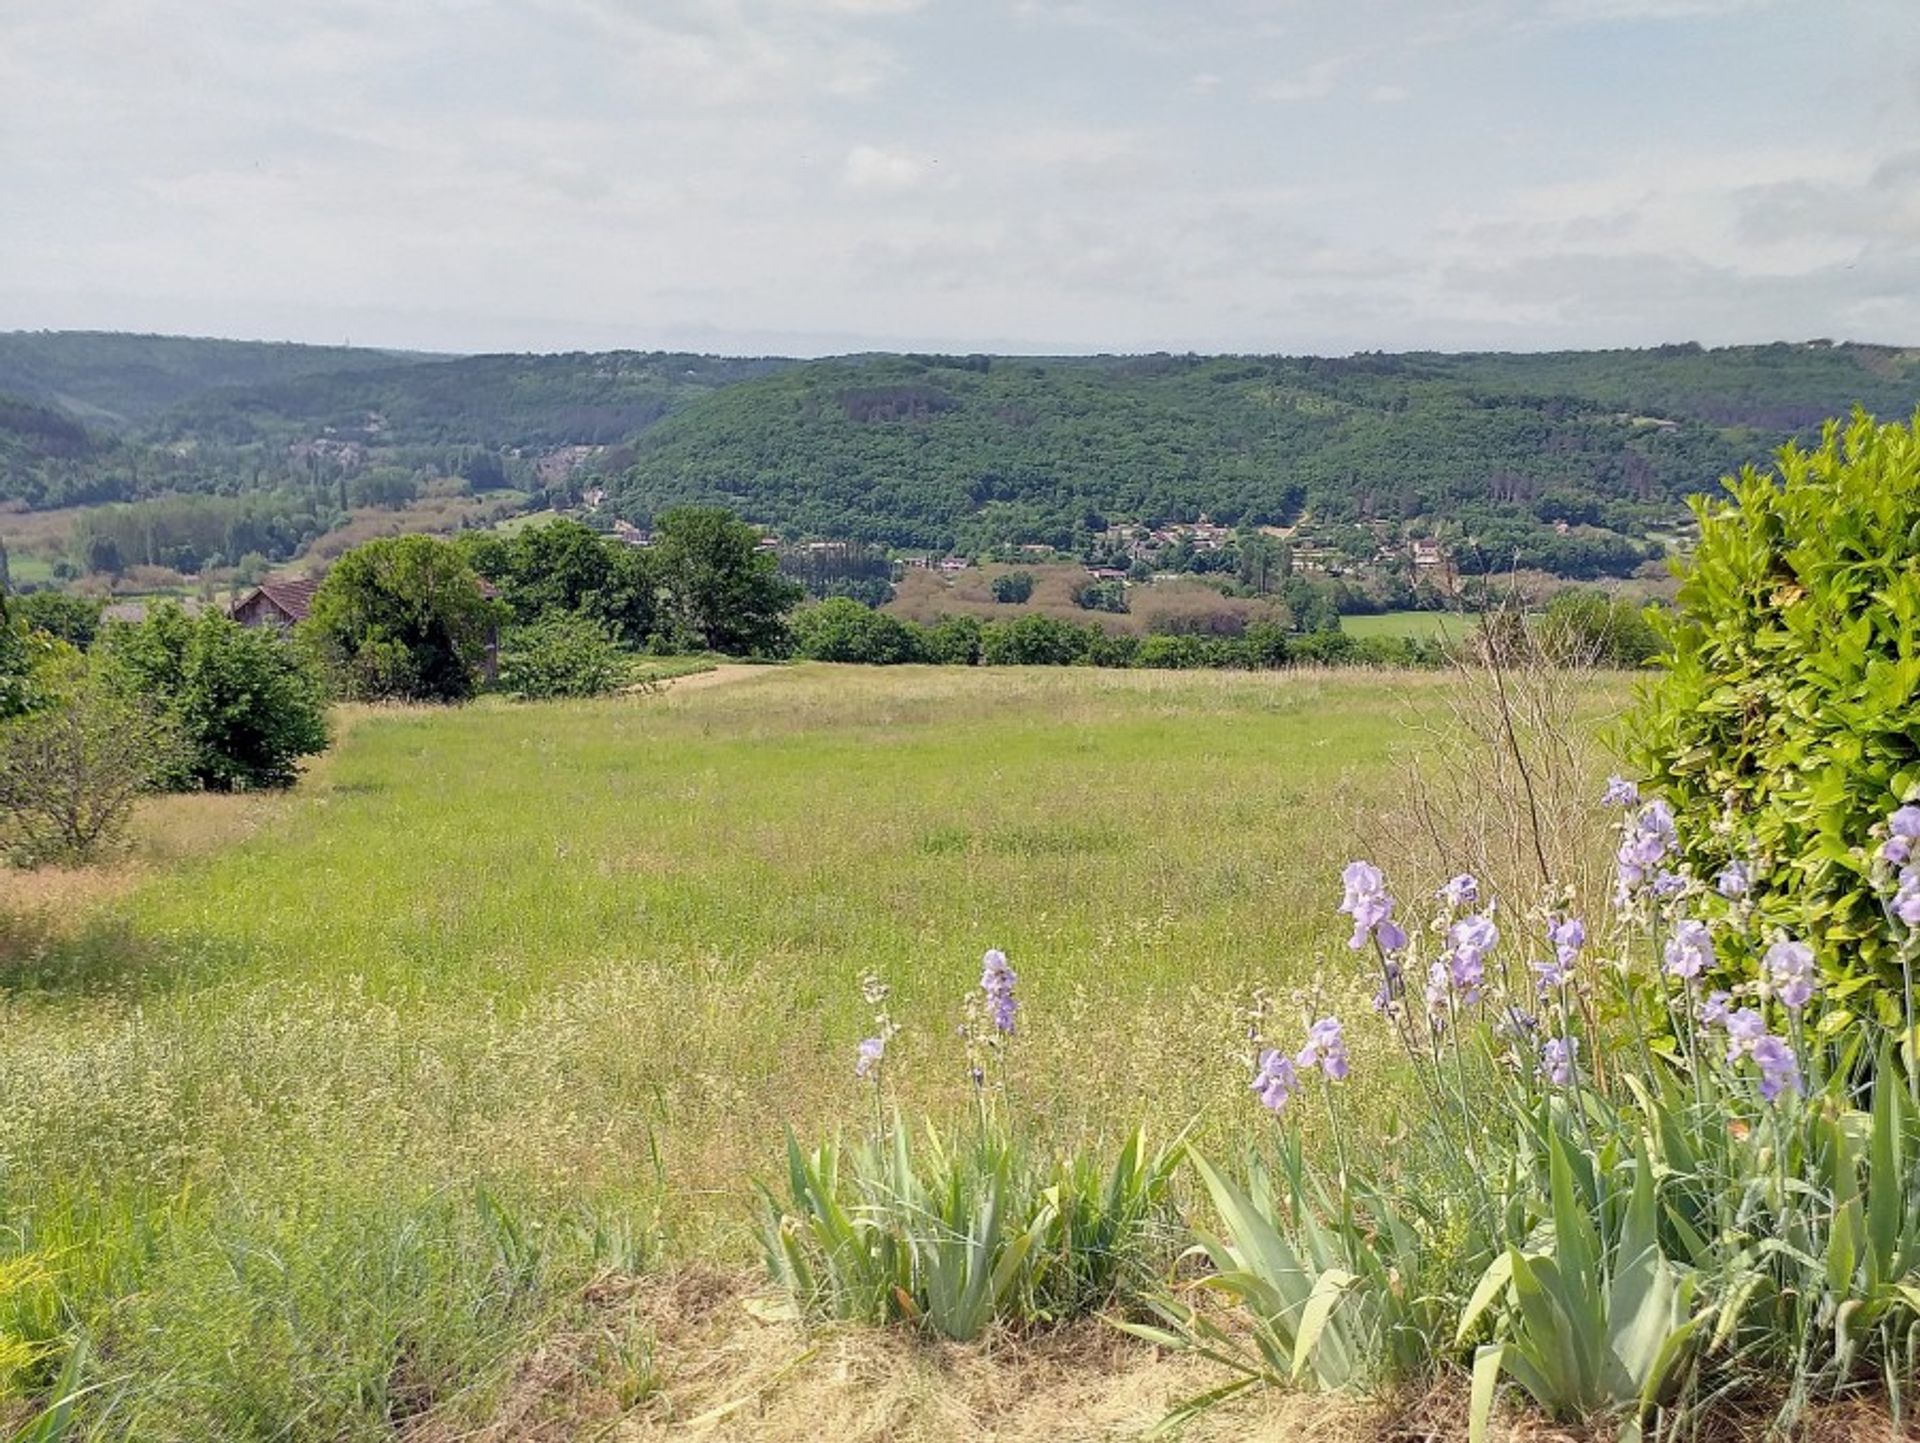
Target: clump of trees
point(171, 703)
point(842, 630)
point(559, 608)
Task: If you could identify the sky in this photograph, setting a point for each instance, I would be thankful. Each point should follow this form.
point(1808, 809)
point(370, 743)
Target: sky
point(815, 176)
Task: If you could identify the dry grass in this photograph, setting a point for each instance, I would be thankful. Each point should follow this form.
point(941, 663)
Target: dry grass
point(698, 1354)
point(1183, 603)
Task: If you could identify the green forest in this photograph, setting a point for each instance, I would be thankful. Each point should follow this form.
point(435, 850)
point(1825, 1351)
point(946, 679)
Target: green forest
point(1573, 463)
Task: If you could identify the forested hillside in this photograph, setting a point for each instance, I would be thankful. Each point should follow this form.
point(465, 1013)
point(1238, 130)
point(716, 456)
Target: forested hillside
point(1541, 453)
point(494, 401)
point(109, 378)
point(1574, 463)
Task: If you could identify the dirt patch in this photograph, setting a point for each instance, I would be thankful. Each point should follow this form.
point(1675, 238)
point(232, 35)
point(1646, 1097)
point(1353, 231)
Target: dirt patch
point(724, 674)
point(699, 1354)
point(702, 1355)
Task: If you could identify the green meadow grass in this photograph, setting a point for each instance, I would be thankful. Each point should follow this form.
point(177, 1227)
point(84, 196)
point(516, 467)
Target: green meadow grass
point(1415, 625)
point(323, 1124)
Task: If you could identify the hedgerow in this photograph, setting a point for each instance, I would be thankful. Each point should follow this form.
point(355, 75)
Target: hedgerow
point(1786, 721)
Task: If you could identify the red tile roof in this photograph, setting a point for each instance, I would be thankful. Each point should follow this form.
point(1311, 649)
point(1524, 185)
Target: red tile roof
point(293, 596)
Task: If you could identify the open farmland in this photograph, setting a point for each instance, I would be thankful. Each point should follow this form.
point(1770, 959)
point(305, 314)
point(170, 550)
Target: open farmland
point(326, 1107)
point(1421, 625)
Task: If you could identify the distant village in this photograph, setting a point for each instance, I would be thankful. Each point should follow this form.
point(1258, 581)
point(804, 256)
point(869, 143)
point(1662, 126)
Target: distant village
point(1128, 551)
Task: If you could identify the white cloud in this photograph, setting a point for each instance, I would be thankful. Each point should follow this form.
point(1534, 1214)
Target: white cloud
point(870, 167)
point(1316, 82)
point(976, 172)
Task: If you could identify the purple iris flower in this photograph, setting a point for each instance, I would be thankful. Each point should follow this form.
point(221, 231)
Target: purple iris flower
point(1904, 827)
point(1735, 882)
point(872, 1050)
point(1648, 839)
point(1689, 950)
point(1745, 1027)
point(1392, 988)
point(1462, 891)
point(1367, 902)
point(1713, 1012)
point(1557, 1056)
point(1620, 793)
point(1439, 985)
point(1326, 1049)
point(1779, 1069)
point(997, 980)
point(1668, 884)
point(1906, 901)
point(1276, 1080)
point(1790, 968)
point(1568, 936)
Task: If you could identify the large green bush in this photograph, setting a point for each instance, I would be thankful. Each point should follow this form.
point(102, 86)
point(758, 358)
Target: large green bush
point(841, 629)
point(561, 655)
point(246, 705)
point(1787, 720)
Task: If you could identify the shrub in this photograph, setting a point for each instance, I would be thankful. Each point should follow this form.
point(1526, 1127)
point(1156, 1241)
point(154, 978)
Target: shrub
point(243, 702)
point(71, 772)
point(1787, 718)
point(954, 641)
point(841, 629)
point(559, 656)
point(1032, 641)
point(1590, 628)
point(1014, 587)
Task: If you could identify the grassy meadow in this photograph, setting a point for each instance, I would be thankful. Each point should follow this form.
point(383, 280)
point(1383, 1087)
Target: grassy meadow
point(325, 1108)
point(1415, 625)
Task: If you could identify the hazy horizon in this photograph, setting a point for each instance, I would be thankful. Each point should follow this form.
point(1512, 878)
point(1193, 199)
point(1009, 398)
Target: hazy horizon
point(1034, 355)
point(1064, 177)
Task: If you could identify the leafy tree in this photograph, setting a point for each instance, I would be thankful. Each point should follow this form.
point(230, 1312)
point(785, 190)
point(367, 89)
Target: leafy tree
point(403, 618)
point(1093, 595)
point(561, 566)
point(563, 654)
point(724, 592)
point(60, 614)
point(26, 657)
point(1014, 587)
point(1262, 562)
point(245, 704)
point(103, 555)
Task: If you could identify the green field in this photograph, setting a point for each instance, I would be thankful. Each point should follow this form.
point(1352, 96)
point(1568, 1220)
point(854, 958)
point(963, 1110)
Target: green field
point(334, 1107)
point(1420, 625)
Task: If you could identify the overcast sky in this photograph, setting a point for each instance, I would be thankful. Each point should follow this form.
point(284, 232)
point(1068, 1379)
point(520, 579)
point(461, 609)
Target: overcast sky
point(807, 176)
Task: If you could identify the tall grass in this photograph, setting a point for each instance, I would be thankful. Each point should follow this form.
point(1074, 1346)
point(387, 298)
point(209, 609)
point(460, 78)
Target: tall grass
point(593, 960)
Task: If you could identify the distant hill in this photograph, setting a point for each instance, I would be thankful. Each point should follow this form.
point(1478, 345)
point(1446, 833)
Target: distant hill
point(1573, 462)
point(500, 401)
point(1563, 458)
point(110, 378)
point(41, 447)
